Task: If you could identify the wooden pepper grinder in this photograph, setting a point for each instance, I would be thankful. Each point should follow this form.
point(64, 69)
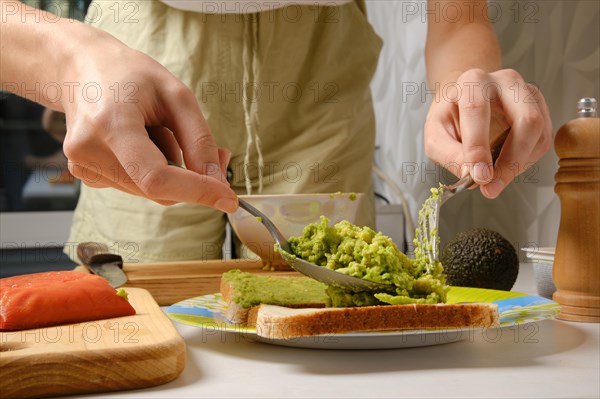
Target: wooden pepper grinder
point(576, 271)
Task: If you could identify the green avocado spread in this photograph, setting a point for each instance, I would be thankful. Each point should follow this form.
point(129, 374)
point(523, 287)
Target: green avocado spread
point(252, 290)
point(363, 253)
point(123, 294)
point(428, 241)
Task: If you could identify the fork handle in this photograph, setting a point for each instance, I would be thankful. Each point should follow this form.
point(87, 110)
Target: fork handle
point(495, 148)
point(497, 144)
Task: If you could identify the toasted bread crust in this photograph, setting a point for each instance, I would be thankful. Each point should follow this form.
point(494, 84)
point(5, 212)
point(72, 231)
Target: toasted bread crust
point(234, 313)
point(277, 322)
point(226, 289)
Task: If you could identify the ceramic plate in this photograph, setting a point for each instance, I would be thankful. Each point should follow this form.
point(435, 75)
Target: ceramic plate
point(207, 312)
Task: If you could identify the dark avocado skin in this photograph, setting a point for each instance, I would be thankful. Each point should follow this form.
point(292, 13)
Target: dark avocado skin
point(480, 258)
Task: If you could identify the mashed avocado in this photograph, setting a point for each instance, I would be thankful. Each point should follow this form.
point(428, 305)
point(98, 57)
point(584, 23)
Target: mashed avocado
point(252, 290)
point(428, 242)
point(363, 253)
point(123, 294)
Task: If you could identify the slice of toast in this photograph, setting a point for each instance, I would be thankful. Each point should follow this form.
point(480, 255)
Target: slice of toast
point(287, 307)
point(277, 322)
point(242, 291)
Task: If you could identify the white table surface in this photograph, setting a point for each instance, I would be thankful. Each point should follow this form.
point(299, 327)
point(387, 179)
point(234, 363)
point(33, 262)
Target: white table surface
point(556, 359)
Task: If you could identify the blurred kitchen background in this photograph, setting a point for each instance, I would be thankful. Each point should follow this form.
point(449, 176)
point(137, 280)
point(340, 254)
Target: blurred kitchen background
point(553, 44)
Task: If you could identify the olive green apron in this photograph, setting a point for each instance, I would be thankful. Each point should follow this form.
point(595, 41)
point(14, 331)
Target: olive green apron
point(287, 92)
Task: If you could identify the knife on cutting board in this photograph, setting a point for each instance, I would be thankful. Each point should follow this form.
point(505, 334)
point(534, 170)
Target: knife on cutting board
point(97, 258)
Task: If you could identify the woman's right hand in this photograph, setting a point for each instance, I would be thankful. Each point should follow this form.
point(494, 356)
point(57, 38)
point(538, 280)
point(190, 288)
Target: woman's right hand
point(133, 118)
point(127, 116)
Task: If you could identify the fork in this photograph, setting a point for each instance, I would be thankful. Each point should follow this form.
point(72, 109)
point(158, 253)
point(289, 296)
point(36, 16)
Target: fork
point(429, 215)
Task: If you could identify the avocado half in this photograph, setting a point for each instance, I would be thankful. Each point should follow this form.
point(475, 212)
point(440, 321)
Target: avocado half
point(480, 258)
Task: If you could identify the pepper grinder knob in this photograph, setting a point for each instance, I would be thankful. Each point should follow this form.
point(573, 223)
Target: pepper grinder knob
point(576, 270)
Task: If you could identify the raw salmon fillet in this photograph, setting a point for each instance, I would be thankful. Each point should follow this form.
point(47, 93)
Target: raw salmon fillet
point(60, 297)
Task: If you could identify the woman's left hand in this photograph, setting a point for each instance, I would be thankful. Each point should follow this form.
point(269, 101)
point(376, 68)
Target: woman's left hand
point(467, 113)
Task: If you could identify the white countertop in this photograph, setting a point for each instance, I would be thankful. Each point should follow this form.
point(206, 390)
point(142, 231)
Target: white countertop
point(548, 359)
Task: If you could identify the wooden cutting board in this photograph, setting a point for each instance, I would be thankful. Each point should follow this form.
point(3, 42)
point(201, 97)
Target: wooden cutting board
point(106, 355)
point(171, 282)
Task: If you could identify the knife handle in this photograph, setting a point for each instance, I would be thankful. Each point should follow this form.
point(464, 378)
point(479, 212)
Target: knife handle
point(94, 252)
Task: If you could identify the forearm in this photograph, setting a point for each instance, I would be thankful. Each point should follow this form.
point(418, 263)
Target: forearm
point(454, 47)
point(34, 45)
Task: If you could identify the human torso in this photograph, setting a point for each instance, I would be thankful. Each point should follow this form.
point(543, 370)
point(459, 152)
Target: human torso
point(244, 6)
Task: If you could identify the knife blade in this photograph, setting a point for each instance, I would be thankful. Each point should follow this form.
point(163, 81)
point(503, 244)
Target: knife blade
point(97, 258)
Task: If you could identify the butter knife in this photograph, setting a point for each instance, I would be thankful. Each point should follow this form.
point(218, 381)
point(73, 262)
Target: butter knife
point(97, 258)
